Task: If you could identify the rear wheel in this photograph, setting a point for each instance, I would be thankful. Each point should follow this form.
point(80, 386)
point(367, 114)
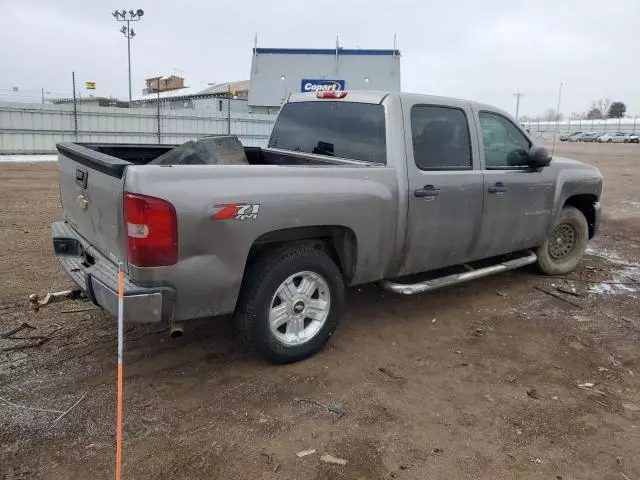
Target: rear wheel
point(291, 304)
point(564, 247)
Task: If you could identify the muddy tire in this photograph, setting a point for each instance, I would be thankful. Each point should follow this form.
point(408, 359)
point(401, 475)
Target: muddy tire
point(565, 245)
point(291, 303)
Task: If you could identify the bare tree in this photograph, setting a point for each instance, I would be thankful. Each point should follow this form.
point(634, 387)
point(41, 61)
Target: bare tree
point(550, 114)
point(602, 105)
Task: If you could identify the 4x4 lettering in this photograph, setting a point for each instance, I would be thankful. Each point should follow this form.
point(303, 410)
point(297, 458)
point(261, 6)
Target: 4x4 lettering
point(236, 211)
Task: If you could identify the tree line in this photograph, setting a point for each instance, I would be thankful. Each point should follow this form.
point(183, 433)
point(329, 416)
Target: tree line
point(599, 109)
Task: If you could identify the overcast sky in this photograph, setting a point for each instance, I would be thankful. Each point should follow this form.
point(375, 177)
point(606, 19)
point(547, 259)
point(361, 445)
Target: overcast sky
point(479, 50)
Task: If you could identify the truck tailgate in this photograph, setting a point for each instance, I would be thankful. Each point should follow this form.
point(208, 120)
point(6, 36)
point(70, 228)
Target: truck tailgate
point(91, 189)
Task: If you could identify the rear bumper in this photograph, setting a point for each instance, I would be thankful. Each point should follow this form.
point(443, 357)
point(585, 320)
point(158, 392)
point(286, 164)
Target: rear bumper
point(97, 276)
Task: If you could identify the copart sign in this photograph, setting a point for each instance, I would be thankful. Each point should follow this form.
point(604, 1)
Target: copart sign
point(311, 85)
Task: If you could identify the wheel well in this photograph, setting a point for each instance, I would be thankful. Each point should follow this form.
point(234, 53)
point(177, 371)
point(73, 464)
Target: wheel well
point(584, 203)
point(337, 241)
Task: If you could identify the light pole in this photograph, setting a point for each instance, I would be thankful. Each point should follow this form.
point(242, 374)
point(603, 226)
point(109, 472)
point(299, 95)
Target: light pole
point(127, 31)
point(517, 95)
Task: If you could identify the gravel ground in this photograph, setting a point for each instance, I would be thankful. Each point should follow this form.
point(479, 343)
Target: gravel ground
point(454, 398)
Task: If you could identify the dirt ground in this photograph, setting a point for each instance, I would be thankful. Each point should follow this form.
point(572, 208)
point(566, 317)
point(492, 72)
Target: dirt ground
point(450, 401)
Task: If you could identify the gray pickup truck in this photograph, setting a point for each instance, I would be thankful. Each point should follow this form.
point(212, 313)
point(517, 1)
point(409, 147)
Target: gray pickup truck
point(354, 187)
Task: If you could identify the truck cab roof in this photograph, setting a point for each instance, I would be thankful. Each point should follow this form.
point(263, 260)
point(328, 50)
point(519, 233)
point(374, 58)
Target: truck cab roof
point(377, 97)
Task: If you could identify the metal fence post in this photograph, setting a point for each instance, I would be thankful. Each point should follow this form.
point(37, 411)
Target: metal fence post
point(75, 106)
point(158, 101)
point(229, 110)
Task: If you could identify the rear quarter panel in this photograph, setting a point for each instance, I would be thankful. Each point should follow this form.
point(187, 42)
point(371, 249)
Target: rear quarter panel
point(213, 253)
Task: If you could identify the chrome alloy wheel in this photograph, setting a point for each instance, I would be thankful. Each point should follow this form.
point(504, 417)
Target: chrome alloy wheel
point(299, 308)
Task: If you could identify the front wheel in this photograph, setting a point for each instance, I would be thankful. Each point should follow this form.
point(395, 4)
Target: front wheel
point(564, 247)
point(291, 303)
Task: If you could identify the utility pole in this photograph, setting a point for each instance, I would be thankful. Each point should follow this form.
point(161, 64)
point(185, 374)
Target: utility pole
point(43, 96)
point(555, 133)
point(130, 16)
point(518, 95)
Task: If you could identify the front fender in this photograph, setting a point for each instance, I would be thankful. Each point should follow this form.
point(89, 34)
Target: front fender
point(573, 179)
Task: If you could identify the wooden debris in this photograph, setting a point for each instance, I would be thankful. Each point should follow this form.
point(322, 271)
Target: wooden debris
point(304, 453)
point(80, 310)
point(559, 297)
point(331, 459)
point(41, 341)
point(390, 374)
point(568, 291)
point(16, 330)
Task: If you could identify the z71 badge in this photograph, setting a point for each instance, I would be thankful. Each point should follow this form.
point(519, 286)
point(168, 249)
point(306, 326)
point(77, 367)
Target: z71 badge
point(236, 211)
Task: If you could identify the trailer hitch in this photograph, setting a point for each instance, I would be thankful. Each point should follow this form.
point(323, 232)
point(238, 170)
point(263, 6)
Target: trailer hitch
point(54, 297)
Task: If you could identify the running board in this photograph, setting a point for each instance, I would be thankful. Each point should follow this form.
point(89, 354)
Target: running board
point(413, 288)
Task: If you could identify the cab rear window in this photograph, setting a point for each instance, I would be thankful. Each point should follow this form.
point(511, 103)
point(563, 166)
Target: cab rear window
point(337, 129)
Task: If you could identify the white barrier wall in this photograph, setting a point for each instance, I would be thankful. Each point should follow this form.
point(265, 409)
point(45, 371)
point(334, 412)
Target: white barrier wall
point(35, 128)
point(629, 125)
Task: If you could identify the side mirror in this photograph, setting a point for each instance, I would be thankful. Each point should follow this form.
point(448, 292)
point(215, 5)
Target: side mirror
point(539, 156)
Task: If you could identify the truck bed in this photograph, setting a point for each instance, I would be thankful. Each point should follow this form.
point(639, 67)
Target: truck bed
point(113, 158)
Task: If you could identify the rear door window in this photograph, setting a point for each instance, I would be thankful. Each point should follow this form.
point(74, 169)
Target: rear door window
point(440, 138)
point(337, 129)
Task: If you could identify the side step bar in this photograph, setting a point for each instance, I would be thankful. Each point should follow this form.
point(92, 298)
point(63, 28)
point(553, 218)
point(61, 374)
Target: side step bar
point(413, 288)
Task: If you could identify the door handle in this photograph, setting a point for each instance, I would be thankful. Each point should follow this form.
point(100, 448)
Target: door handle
point(427, 191)
point(498, 188)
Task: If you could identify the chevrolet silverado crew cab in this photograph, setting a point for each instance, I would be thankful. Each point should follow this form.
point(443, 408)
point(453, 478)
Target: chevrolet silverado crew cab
point(354, 187)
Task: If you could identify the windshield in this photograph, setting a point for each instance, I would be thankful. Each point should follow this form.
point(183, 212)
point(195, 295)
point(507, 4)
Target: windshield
point(341, 129)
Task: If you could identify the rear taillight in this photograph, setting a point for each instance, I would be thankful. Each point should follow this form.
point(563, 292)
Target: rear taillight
point(151, 228)
point(338, 94)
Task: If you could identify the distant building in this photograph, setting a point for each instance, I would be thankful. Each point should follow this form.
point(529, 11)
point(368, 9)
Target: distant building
point(278, 72)
point(212, 97)
point(92, 101)
point(155, 84)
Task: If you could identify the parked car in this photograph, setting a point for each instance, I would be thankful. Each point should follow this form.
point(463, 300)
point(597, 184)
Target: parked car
point(576, 137)
point(631, 138)
point(568, 138)
point(590, 136)
point(617, 137)
point(354, 187)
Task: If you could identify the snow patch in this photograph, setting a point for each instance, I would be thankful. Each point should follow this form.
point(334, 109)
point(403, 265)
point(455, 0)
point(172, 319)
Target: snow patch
point(27, 158)
point(625, 273)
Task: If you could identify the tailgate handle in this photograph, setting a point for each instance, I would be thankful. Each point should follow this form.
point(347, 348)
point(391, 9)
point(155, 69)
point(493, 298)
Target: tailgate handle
point(81, 177)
